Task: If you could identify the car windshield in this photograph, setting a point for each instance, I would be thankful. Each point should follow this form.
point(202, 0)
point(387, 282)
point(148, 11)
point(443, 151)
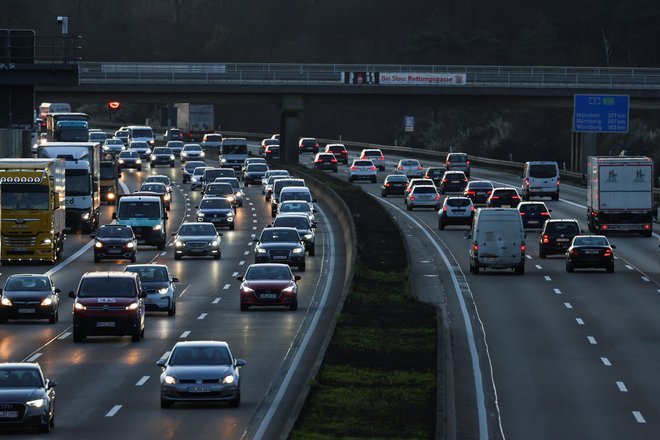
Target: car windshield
point(363, 163)
point(150, 274)
point(279, 235)
point(435, 172)
point(234, 149)
point(505, 192)
point(107, 287)
point(295, 195)
point(375, 153)
point(139, 144)
point(590, 241)
point(162, 150)
point(20, 378)
point(155, 187)
point(192, 148)
point(409, 163)
point(128, 154)
point(198, 171)
point(295, 207)
point(458, 202)
point(200, 356)
point(454, 176)
point(230, 180)
point(191, 166)
point(32, 284)
point(268, 272)
point(543, 171)
point(175, 144)
point(114, 142)
point(138, 209)
point(218, 189)
point(562, 228)
point(160, 179)
point(115, 232)
point(292, 222)
point(215, 204)
point(197, 229)
point(107, 171)
point(24, 196)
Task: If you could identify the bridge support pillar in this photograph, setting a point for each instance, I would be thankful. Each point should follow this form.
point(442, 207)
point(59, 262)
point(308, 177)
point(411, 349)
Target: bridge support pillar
point(583, 145)
point(291, 108)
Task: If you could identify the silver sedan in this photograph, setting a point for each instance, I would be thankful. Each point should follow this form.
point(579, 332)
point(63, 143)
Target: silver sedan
point(197, 239)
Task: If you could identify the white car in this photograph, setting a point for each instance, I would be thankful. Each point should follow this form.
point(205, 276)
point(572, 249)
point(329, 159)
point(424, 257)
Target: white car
point(409, 168)
point(297, 207)
point(362, 170)
point(212, 140)
point(192, 152)
point(269, 173)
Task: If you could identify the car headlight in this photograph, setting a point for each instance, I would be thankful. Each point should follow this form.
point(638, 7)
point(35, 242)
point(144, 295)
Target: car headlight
point(183, 153)
point(163, 290)
point(261, 251)
point(194, 179)
point(200, 218)
point(228, 379)
point(298, 250)
point(121, 161)
point(202, 154)
point(98, 245)
point(78, 306)
point(289, 289)
point(153, 157)
point(130, 245)
point(308, 236)
point(139, 161)
point(178, 243)
point(148, 151)
point(152, 142)
point(223, 160)
point(167, 197)
point(132, 306)
point(171, 157)
point(46, 241)
point(215, 243)
point(230, 198)
point(230, 218)
point(158, 227)
point(86, 216)
point(237, 193)
point(38, 403)
point(170, 380)
point(5, 301)
point(106, 147)
point(47, 302)
point(111, 196)
point(247, 289)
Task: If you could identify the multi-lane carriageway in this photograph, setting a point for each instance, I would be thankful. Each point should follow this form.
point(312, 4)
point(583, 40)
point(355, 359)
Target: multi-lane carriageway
point(545, 355)
point(109, 387)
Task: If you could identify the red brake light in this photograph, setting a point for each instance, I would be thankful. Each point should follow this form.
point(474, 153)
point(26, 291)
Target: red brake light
point(522, 214)
point(372, 167)
point(400, 167)
point(444, 180)
point(494, 197)
point(318, 161)
point(268, 151)
point(546, 239)
point(608, 252)
point(604, 226)
point(468, 162)
point(574, 252)
point(647, 226)
point(437, 196)
point(522, 248)
point(448, 162)
point(471, 193)
point(489, 192)
point(471, 208)
point(333, 160)
point(444, 208)
point(388, 184)
point(545, 214)
point(412, 197)
point(515, 197)
point(354, 168)
point(464, 180)
point(420, 168)
point(527, 183)
point(557, 182)
point(475, 248)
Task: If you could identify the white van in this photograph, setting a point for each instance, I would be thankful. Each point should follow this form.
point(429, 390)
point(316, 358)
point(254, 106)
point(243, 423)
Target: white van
point(540, 179)
point(498, 240)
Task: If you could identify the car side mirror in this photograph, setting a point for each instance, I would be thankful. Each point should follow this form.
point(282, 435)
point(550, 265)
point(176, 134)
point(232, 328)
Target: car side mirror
point(56, 290)
point(92, 236)
point(239, 362)
point(173, 234)
point(255, 240)
point(549, 210)
point(161, 362)
point(240, 278)
point(313, 200)
point(613, 246)
point(50, 384)
point(72, 294)
point(220, 234)
point(175, 279)
point(119, 175)
point(314, 225)
point(269, 226)
point(196, 206)
point(165, 216)
point(114, 216)
point(0, 291)
point(297, 277)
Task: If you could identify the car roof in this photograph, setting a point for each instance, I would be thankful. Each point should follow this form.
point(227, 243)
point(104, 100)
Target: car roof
point(24, 365)
point(146, 265)
point(140, 198)
point(107, 274)
point(201, 343)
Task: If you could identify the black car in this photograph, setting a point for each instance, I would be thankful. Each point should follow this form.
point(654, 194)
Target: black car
point(189, 167)
point(453, 181)
point(325, 161)
point(557, 235)
point(129, 159)
point(534, 214)
point(478, 191)
point(394, 185)
point(217, 210)
point(28, 296)
point(159, 189)
point(117, 242)
point(503, 198)
point(253, 173)
point(308, 145)
point(588, 251)
point(304, 226)
point(27, 398)
point(435, 174)
point(162, 156)
point(272, 152)
point(280, 245)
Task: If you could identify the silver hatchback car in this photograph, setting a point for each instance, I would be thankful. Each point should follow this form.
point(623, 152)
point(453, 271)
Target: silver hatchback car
point(456, 210)
point(422, 197)
point(362, 170)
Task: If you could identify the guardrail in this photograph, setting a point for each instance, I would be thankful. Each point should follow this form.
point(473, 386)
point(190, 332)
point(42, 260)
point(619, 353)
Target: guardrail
point(333, 74)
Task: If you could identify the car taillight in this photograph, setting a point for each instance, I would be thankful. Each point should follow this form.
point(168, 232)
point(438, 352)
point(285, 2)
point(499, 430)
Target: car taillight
point(647, 226)
point(468, 162)
point(471, 193)
point(388, 184)
point(471, 208)
point(372, 167)
point(527, 183)
point(604, 227)
point(574, 252)
point(546, 239)
point(316, 145)
point(437, 196)
point(268, 151)
point(522, 214)
point(494, 197)
point(608, 253)
point(420, 168)
point(381, 158)
point(515, 198)
point(318, 161)
point(545, 214)
point(489, 192)
point(354, 168)
point(465, 180)
point(522, 248)
point(475, 248)
point(444, 180)
point(444, 208)
point(557, 182)
point(400, 167)
point(412, 197)
point(448, 163)
point(333, 160)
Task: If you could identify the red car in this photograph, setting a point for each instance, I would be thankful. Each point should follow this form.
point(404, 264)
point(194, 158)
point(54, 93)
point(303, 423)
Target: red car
point(268, 284)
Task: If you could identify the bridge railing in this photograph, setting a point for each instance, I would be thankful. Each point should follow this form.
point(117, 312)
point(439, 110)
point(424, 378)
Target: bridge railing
point(331, 74)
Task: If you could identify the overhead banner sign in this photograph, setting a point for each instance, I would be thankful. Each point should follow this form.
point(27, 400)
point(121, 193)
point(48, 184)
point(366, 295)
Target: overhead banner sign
point(405, 78)
point(422, 79)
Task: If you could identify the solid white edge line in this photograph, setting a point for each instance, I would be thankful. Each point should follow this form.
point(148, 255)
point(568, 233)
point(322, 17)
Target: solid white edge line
point(68, 261)
point(115, 409)
point(265, 422)
point(474, 357)
point(64, 335)
point(124, 187)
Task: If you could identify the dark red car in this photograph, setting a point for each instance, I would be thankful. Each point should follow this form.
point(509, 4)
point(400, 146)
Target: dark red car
point(268, 284)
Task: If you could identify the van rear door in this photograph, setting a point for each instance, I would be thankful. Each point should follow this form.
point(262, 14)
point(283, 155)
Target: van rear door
point(499, 241)
point(543, 178)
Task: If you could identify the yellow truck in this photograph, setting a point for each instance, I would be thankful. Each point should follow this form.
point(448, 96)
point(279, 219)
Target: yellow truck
point(32, 197)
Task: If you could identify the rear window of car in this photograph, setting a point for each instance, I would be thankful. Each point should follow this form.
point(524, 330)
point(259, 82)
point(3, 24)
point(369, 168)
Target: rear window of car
point(505, 192)
point(107, 287)
point(457, 158)
point(458, 202)
point(399, 178)
point(424, 190)
point(480, 185)
point(336, 149)
point(326, 156)
point(562, 228)
point(309, 142)
point(375, 153)
point(454, 176)
point(532, 208)
point(543, 171)
point(436, 172)
point(213, 138)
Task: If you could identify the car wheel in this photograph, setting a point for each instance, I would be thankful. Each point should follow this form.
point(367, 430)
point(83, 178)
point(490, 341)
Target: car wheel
point(96, 259)
point(54, 317)
point(45, 427)
point(177, 256)
point(441, 225)
point(293, 306)
point(373, 180)
point(136, 337)
point(246, 183)
point(520, 270)
point(555, 197)
point(164, 403)
point(542, 253)
point(409, 207)
point(133, 258)
point(569, 267)
point(78, 336)
point(610, 268)
point(235, 403)
point(382, 194)
point(172, 310)
point(312, 251)
point(216, 257)
point(244, 307)
point(161, 245)
point(232, 227)
point(350, 180)
point(172, 165)
point(267, 198)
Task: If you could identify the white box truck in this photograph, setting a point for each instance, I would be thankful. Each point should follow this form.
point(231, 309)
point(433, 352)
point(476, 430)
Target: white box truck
point(620, 194)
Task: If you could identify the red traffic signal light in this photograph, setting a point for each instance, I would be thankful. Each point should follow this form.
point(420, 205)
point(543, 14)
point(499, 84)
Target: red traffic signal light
point(114, 105)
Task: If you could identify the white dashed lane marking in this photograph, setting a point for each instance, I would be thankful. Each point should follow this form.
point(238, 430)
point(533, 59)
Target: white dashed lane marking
point(235, 274)
point(246, 253)
point(202, 316)
point(142, 381)
point(568, 305)
point(547, 278)
point(226, 286)
point(639, 417)
point(115, 409)
point(215, 301)
point(622, 387)
point(628, 266)
point(65, 335)
point(538, 266)
point(645, 279)
point(241, 263)
point(529, 257)
point(579, 321)
point(606, 361)
point(184, 334)
point(557, 291)
point(592, 340)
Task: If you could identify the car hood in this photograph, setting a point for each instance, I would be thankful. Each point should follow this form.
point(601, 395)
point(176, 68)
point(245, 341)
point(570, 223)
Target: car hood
point(197, 237)
point(267, 284)
point(215, 211)
point(26, 294)
point(20, 394)
point(198, 371)
point(155, 285)
point(115, 240)
point(280, 245)
point(109, 301)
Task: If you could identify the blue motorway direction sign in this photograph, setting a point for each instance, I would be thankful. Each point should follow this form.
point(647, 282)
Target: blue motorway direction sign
point(409, 123)
point(601, 113)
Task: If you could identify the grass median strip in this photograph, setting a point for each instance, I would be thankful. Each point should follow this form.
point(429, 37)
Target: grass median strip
point(378, 378)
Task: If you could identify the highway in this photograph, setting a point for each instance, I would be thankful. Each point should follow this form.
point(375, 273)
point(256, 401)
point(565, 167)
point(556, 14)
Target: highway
point(109, 387)
point(557, 355)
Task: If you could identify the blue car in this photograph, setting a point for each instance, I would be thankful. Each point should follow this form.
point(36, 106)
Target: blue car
point(216, 210)
point(533, 214)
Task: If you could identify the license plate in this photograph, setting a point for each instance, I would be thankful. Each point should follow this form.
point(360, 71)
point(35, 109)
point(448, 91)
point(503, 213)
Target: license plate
point(199, 389)
point(196, 251)
point(9, 414)
point(562, 239)
point(105, 324)
point(591, 252)
point(114, 251)
point(506, 206)
point(20, 249)
point(279, 257)
point(27, 310)
point(458, 211)
point(533, 222)
point(268, 295)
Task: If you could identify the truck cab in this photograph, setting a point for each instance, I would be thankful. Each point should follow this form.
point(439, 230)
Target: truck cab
point(146, 215)
point(109, 181)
